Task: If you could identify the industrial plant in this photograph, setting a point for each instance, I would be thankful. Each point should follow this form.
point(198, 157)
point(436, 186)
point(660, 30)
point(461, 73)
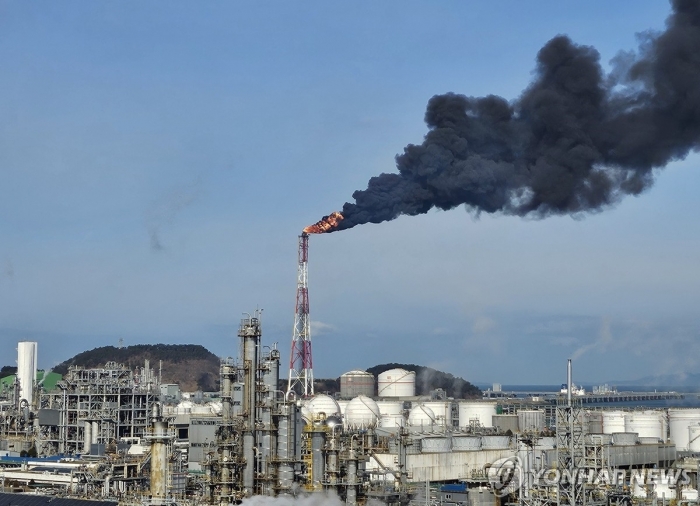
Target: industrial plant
point(117, 435)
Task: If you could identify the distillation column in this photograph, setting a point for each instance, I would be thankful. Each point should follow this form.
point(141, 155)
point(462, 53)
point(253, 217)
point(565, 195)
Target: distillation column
point(159, 457)
point(226, 431)
point(250, 333)
point(270, 368)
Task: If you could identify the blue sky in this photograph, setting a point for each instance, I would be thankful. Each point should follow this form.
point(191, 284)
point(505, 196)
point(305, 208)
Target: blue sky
point(158, 160)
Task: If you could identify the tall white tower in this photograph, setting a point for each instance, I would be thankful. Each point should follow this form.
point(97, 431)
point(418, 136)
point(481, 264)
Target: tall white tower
point(26, 369)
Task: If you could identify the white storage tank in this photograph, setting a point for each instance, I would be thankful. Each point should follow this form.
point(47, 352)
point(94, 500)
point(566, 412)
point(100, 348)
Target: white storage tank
point(466, 443)
point(26, 369)
point(421, 416)
point(396, 383)
point(530, 420)
point(694, 438)
point(391, 414)
point(435, 445)
point(594, 421)
point(646, 424)
point(322, 405)
point(442, 410)
point(613, 421)
point(362, 413)
point(354, 383)
point(624, 438)
point(679, 421)
point(479, 413)
point(343, 404)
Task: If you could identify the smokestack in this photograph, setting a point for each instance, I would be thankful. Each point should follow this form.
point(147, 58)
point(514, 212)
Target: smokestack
point(576, 141)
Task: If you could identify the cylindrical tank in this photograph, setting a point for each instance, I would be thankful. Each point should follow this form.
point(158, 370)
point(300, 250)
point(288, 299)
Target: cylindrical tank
point(396, 383)
point(87, 436)
point(354, 383)
point(594, 421)
point(504, 423)
point(362, 413)
point(466, 443)
point(435, 445)
point(442, 410)
point(26, 369)
point(624, 438)
point(646, 424)
point(391, 414)
point(613, 421)
point(530, 420)
point(476, 413)
point(95, 432)
point(421, 416)
point(492, 442)
point(694, 438)
point(322, 405)
point(678, 422)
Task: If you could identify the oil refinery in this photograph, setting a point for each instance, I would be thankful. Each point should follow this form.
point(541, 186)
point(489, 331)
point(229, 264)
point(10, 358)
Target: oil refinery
point(117, 435)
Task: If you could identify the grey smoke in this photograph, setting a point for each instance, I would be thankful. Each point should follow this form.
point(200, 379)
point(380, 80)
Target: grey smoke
point(164, 210)
point(576, 141)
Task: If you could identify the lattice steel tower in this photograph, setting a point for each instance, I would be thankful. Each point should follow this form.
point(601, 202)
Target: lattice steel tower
point(301, 374)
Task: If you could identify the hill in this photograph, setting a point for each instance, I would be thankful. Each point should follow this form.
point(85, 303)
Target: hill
point(428, 379)
point(191, 366)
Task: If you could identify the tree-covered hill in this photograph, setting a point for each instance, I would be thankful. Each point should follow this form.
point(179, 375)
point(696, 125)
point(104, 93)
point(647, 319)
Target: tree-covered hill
point(191, 366)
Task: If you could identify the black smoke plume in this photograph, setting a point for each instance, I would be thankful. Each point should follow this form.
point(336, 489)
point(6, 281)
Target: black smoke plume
point(576, 141)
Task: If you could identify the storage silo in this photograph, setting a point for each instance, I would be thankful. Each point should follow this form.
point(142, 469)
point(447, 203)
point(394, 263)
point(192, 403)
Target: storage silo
point(354, 383)
point(362, 413)
point(679, 421)
point(479, 413)
point(397, 383)
point(26, 369)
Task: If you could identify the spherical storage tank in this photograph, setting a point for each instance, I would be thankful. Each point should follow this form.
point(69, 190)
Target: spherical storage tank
point(421, 416)
point(323, 404)
point(362, 413)
point(679, 420)
point(613, 421)
point(442, 410)
point(397, 383)
point(646, 424)
point(476, 412)
point(354, 383)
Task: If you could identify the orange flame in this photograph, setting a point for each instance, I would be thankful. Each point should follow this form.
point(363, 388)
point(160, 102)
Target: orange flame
point(326, 224)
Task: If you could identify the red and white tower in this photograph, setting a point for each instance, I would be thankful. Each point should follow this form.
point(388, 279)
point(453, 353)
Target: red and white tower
point(301, 373)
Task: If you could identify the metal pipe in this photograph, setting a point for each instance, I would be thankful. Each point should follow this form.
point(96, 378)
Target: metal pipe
point(569, 383)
